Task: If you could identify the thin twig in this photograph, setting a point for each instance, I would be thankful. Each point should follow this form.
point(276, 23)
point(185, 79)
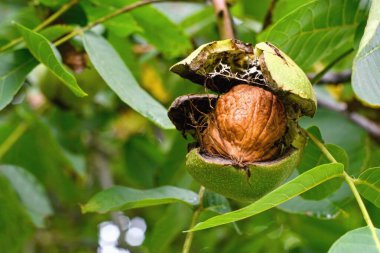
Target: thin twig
point(363, 209)
point(268, 16)
point(223, 19)
point(194, 220)
point(350, 181)
point(322, 147)
point(45, 23)
point(333, 77)
point(371, 127)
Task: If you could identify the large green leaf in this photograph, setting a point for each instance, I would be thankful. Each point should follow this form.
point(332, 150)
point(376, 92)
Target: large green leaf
point(316, 29)
point(120, 79)
point(284, 7)
point(44, 52)
point(365, 72)
point(122, 198)
point(14, 67)
point(328, 208)
point(30, 191)
point(322, 209)
point(293, 188)
point(368, 185)
point(354, 241)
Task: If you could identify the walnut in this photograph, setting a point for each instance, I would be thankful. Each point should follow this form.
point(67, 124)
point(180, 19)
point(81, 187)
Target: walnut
point(246, 126)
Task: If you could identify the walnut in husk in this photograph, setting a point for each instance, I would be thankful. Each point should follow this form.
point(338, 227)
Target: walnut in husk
point(247, 139)
point(247, 124)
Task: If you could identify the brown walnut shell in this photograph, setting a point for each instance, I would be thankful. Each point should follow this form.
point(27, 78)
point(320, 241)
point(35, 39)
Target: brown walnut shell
point(246, 126)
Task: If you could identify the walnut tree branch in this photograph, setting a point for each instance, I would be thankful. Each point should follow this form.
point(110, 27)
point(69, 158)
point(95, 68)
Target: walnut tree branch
point(223, 19)
point(333, 77)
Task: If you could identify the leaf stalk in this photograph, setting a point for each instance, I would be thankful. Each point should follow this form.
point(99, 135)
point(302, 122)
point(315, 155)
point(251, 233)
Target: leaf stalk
point(194, 220)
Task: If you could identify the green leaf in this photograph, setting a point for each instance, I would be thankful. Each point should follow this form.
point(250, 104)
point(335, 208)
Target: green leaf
point(120, 79)
point(368, 185)
point(365, 72)
point(316, 29)
point(257, 11)
point(123, 25)
point(53, 3)
point(171, 40)
point(219, 204)
point(328, 208)
point(14, 68)
point(122, 198)
point(354, 241)
point(30, 191)
point(291, 189)
point(321, 209)
point(215, 202)
point(44, 52)
point(284, 7)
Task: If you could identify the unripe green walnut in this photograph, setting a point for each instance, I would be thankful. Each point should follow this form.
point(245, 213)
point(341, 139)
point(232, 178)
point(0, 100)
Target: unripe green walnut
point(247, 140)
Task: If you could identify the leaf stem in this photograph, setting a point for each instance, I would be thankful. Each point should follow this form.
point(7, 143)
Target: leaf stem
point(350, 181)
point(322, 147)
point(105, 18)
point(367, 218)
point(45, 23)
point(319, 76)
point(194, 220)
